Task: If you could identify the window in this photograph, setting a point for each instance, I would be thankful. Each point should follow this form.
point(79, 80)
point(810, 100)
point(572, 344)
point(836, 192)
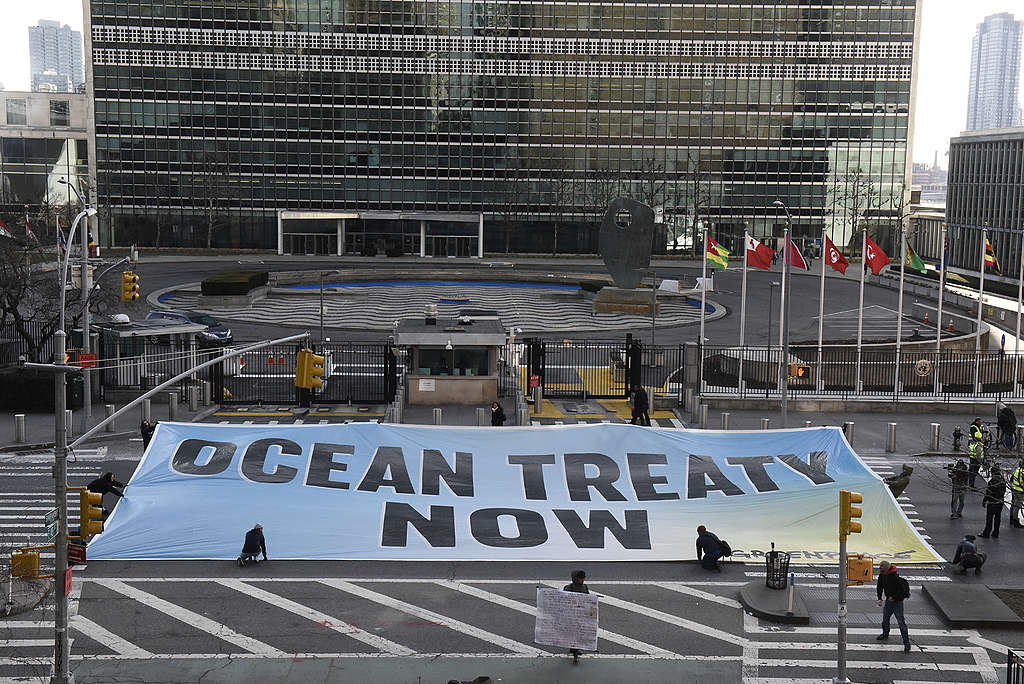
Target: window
point(16, 113)
point(59, 114)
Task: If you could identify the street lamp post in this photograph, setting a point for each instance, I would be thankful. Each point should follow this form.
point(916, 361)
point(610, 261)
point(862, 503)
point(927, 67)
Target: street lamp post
point(85, 291)
point(784, 362)
point(771, 305)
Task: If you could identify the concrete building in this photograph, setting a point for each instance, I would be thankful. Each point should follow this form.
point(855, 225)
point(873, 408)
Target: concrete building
point(995, 74)
point(55, 54)
point(409, 120)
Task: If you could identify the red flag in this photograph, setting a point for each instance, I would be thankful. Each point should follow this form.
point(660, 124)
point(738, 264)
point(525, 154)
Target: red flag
point(874, 257)
point(835, 258)
point(796, 259)
point(29, 231)
point(5, 232)
point(758, 255)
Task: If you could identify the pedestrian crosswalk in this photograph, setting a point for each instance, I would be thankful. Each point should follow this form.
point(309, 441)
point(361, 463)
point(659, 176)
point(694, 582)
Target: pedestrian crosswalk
point(655, 422)
point(684, 623)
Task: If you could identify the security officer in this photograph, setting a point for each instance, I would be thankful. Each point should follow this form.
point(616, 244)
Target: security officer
point(976, 449)
point(1016, 494)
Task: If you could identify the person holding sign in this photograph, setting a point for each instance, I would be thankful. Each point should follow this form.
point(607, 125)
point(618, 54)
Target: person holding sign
point(579, 587)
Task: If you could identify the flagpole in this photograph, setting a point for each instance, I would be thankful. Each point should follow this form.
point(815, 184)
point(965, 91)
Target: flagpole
point(703, 294)
point(784, 318)
point(1020, 300)
point(981, 304)
point(743, 313)
point(819, 381)
point(938, 323)
point(782, 379)
point(860, 305)
point(899, 311)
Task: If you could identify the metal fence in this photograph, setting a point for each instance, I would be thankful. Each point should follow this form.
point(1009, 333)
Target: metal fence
point(153, 364)
point(873, 373)
point(14, 345)
point(1014, 668)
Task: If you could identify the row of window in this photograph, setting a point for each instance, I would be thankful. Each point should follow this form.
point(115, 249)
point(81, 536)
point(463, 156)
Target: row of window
point(17, 112)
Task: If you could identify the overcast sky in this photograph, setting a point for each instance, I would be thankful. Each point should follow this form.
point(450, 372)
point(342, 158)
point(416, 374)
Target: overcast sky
point(946, 32)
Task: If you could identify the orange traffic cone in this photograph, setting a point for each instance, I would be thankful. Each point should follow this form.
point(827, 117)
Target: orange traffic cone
point(270, 360)
point(925, 321)
point(950, 328)
point(280, 360)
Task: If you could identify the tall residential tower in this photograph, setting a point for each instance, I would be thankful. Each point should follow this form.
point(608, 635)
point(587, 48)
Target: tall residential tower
point(55, 54)
point(995, 74)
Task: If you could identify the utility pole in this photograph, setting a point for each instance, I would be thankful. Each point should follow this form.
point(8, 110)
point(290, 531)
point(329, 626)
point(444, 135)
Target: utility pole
point(784, 365)
point(846, 527)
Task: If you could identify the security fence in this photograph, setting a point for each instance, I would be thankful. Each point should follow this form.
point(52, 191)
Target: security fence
point(840, 372)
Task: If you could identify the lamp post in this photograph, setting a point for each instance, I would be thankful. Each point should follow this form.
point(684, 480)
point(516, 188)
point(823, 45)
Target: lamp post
point(85, 290)
point(61, 647)
point(771, 306)
point(784, 361)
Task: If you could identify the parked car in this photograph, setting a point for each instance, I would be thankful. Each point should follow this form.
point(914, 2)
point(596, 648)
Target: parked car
point(216, 333)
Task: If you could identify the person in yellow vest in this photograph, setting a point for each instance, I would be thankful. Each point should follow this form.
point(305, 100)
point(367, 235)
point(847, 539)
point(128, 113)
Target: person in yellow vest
point(976, 450)
point(1016, 494)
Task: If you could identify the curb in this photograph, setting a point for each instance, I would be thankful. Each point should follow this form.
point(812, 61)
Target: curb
point(26, 607)
point(205, 413)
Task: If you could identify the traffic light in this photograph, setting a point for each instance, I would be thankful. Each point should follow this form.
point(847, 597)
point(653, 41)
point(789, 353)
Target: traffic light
point(301, 365)
point(90, 513)
point(129, 286)
point(848, 511)
point(309, 370)
point(799, 370)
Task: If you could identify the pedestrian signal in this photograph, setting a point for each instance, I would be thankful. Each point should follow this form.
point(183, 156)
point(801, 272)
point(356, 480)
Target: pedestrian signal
point(848, 511)
point(129, 286)
point(799, 370)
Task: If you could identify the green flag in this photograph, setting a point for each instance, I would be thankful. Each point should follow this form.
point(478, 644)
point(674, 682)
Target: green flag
point(912, 261)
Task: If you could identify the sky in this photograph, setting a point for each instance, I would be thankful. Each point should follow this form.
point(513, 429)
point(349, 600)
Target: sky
point(946, 32)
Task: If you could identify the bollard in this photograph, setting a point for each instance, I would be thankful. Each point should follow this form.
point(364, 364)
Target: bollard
point(193, 399)
point(524, 415)
point(109, 410)
point(688, 400)
point(207, 393)
point(807, 423)
point(703, 416)
point(792, 588)
point(172, 406)
point(890, 443)
point(935, 437)
point(19, 428)
point(765, 422)
point(848, 431)
point(725, 421)
point(481, 416)
point(437, 416)
point(147, 410)
point(538, 399)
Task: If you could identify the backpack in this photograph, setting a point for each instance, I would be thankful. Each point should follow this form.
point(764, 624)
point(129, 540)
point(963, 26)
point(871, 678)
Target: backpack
point(904, 587)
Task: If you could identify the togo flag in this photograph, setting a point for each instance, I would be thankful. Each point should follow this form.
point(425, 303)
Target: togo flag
point(912, 261)
point(717, 254)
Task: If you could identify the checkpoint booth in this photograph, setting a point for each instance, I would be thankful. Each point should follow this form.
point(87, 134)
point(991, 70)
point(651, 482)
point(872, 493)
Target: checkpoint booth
point(451, 360)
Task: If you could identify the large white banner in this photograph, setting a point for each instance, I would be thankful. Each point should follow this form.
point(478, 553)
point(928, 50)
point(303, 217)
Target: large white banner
point(581, 492)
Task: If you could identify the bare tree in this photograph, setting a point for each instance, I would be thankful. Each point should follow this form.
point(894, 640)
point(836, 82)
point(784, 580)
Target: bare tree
point(601, 186)
point(513, 198)
point(562, 191)
point(212, 190)
point(695, 193)
point(853, 196)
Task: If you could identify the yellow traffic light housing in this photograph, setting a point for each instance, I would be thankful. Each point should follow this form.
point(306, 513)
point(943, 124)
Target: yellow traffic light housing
point(848, 511)
point(90, 513)
point(129, 286)
point(309, 370)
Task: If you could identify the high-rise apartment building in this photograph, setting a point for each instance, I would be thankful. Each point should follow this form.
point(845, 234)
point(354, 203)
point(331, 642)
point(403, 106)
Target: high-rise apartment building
point(995, 74)
point(401, 124)
point(55, 54)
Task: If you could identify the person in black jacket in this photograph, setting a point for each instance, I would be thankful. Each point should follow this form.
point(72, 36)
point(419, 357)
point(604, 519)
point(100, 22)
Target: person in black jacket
point(254, 543)
point(579, 587)
point(958, 477)
point(995, 492)
point(146, 429)
point(497, 414)
point(895, 589)
point(106, 484)
point(641, 406)
point(967, 556)
point(709, 549)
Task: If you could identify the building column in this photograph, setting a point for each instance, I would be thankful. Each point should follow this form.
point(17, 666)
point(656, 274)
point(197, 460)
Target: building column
point(480, 238)
point(423, 238)
point(341, 236)
point(280, 234)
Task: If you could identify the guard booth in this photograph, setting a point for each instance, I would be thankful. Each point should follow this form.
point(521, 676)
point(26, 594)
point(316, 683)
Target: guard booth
point(451, 360)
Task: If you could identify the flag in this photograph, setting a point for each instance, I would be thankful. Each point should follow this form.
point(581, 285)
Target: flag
point(874, 257)
point(990, 258)
point(758, 255)
point(62, 241)
point(912, 261)
point(5, 231)
point(796, 259)
point(29, 231)
point(717, 254)
point(834, 257)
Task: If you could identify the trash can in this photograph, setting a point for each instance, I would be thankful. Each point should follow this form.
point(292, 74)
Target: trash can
point(776, 569)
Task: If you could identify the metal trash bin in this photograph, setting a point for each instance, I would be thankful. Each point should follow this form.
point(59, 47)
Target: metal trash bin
point(776, 569)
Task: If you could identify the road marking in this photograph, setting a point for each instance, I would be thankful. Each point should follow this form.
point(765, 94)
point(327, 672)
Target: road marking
point(246, 422)
point(443, 621)
point(272, 422)
point(26, 643)
point(707, 596)
point(324, 422)
point(869, 665)
point(512, 604)
point(107, 638)
point(323, 619)
point(48, 660)
point(299, 421)
point(196, 620)
point(677, 423)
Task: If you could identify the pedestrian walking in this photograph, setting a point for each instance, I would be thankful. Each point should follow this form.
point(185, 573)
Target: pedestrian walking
point(1016, 494)
point(641, 406)
point(958, 476)
point(709, 549)
point(895, 591)
point(995, 492)
point(147, 429)
point(968, 556)
point(577, 585)
point(497, 414)
point(975, 449)
point(254, 543)
point(898, 483)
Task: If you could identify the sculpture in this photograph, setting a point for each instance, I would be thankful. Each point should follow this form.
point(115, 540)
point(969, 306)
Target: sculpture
point(625, 241)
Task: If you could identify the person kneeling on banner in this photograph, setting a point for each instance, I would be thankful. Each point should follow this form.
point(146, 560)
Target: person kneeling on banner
point(106, 484)
point(710, 549)
point(579, 587)
point(253, 545)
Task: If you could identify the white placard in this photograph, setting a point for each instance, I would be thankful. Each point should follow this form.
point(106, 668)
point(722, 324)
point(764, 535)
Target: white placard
point(566, 618)
point(427, 385)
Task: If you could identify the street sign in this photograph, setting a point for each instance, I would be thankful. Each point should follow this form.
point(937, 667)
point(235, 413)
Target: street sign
point(52, 520)
point(87, 360)
point(76, 553)
point(67, 582)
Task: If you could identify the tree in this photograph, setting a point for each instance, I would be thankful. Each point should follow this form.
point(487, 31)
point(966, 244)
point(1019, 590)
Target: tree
point(513, 198)
point(213, 191)
point(562, 191)
point(853, 195)
point(695, 193)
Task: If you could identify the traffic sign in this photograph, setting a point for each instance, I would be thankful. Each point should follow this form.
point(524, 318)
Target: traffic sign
point(87, 360)
point(52, 520)
point(76, 553)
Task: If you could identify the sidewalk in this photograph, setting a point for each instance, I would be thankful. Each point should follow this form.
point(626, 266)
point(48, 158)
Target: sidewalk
point(39, 426)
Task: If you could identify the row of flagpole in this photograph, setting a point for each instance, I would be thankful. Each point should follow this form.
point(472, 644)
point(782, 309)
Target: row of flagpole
point(760, 256)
